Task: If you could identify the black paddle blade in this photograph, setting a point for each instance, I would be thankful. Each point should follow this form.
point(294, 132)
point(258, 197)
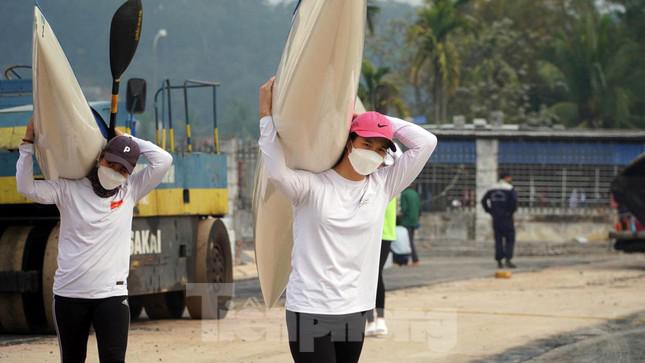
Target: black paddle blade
point(125, 33)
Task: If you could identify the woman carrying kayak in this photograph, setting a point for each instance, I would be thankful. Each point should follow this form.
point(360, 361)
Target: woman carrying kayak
point(338, 220)
point(90, 285)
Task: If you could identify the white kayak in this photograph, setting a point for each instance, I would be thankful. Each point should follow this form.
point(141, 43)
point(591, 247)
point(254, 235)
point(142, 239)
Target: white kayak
point(313, 102)
point(68, 141)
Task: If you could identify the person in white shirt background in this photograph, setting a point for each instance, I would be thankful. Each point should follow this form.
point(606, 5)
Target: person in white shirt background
point(338, 220)
point(90, 284)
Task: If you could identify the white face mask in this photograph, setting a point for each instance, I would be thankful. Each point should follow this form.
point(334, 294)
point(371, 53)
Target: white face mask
point(109, 178)
point(364, 161)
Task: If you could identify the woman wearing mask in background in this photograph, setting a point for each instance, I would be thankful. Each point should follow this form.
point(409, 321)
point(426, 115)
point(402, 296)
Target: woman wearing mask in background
point(90, 284)
point(338, 220)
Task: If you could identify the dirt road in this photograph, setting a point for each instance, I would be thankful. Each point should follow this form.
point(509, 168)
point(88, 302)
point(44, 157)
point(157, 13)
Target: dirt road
point(533, 314)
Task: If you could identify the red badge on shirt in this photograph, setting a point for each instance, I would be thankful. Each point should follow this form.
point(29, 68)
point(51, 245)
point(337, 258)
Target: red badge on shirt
point(116, 204)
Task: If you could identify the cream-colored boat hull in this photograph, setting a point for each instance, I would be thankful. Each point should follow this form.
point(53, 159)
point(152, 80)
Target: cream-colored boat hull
point(313, 102)
point(68, 140)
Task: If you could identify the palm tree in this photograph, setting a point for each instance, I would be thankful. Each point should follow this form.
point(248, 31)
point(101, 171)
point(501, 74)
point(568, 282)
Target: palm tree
point(436, 59)
point(377, 92)
point(600, 68)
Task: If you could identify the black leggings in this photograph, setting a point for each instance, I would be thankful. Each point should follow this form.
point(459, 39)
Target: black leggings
point(316, 338)
point(110, 318)
point(380, 287)
point(415, 256)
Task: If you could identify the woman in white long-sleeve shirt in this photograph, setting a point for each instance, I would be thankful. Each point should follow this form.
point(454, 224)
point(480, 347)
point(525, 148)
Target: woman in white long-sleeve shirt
point(338, 219)
point(90, 284)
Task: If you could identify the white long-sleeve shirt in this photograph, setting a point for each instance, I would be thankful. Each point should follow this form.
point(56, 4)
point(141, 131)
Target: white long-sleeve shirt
point(94, 239)
point(338, 222)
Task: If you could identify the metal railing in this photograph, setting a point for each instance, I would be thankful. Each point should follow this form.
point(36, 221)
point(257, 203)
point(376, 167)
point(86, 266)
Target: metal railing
point(562, 186)
point(165, 92)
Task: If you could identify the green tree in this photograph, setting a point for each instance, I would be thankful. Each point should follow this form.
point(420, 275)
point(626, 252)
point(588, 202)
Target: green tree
point(495, 63)
point(632, 20)
point(632, 17)
point(520, 44)
point(599, 68)
point(436, 61)
point(379, 93)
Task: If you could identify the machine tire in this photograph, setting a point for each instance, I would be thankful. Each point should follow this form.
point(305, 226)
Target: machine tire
point(50, 263)
point(13, 318)
point(630, 245)
point(211, 264)
point(136, 306)
point(167, 305)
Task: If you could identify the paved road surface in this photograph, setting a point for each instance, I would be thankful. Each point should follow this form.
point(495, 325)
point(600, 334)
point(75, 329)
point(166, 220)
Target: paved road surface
point(444, 269)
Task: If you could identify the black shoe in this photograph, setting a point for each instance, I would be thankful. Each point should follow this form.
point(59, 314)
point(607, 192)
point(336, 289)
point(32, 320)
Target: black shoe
point(499, 264)
point(510, 264)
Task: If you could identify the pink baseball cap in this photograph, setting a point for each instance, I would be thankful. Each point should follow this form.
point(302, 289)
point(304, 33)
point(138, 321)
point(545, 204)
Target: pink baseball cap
point(373, 124)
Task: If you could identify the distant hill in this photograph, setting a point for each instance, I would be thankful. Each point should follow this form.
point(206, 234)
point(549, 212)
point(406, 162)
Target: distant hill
point(235, 42)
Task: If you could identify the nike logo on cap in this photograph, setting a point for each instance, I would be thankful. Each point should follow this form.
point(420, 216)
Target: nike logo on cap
point(379, 125)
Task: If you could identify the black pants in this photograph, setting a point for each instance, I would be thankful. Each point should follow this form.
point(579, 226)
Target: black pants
point(504, 239)
point(110, 318)
point(380, 286)
point(415, 257)
point(316, 338)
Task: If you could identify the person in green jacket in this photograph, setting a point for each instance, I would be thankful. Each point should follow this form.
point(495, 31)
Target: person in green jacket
point(379, 328)
point(410, 211)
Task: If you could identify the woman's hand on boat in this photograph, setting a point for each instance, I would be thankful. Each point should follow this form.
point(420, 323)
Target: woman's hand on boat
point(266, 98)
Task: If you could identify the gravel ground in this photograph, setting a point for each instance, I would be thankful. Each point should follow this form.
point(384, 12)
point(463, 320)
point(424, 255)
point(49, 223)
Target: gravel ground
point(558, 309)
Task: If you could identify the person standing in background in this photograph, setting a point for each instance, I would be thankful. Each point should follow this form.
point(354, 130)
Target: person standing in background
point(500, 202)
point(379, 328)
point(410, 211)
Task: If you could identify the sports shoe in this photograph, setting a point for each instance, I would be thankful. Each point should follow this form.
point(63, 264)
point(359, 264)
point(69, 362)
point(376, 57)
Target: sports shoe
point(500, 264)
point(381, 327)
point(370, 329)
point(510, 264)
